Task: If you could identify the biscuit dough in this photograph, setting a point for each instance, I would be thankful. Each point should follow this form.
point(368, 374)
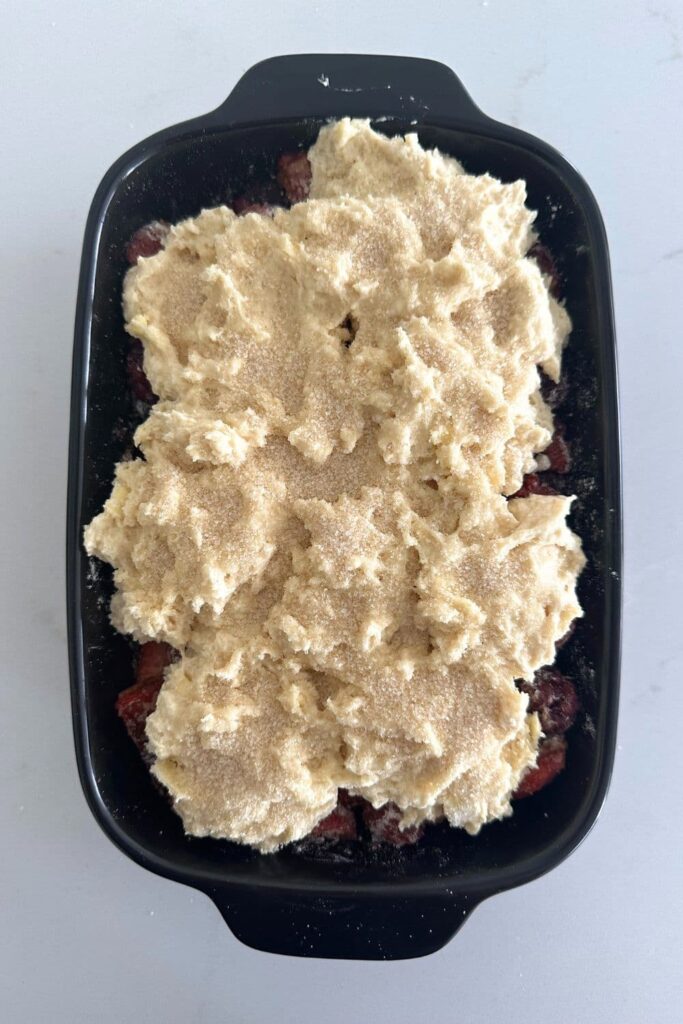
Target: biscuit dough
point(348, 392)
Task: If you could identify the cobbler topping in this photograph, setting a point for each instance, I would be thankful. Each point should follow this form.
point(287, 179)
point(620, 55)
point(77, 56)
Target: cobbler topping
point(348, 396)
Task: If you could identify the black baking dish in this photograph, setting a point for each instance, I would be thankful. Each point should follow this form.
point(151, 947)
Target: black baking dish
point(341, 902)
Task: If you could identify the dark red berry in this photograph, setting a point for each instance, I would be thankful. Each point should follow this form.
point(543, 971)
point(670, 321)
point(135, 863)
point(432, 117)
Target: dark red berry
point(147, 241)
point(558, 454)
point(554, 698)
point(153, 659)
point(383, 825)
point(243, 205)
point(552, 755)
point(546, 264)
point(134, 706)
point(349, 800)
point(138, 382)
point(294, 176)
point(532, 484)
point(339, 824)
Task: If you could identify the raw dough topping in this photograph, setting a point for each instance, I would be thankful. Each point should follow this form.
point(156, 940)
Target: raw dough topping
point(348, 392)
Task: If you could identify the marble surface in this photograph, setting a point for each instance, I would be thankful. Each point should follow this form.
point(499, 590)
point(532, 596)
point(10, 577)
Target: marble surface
point(85, 934)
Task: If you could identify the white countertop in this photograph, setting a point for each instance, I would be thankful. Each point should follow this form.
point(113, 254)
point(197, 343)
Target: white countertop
point(86, 934)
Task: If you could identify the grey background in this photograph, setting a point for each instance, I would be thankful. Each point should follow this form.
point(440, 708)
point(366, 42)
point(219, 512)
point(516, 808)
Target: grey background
point(87, 935)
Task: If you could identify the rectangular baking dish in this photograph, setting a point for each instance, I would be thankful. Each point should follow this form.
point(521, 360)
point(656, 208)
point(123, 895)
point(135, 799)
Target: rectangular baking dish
point(336, 902)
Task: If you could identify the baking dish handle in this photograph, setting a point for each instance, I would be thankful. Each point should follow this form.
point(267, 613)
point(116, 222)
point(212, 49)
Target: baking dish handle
point(408, 89)
point(341, 927)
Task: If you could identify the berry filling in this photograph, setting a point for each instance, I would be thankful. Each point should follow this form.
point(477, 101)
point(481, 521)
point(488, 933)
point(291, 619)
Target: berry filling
point(533, 484)
point(139, 384)
point(147, 241)
point(557, 453)
point(339, 824)
point(135, 704)
point(553, 697)
point(551, 760)
point(546, 264)
point(294, 176)
point(383, 825)
point(243, 205)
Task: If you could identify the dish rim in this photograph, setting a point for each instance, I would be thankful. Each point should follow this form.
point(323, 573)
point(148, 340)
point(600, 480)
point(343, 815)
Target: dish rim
point(466, 117)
